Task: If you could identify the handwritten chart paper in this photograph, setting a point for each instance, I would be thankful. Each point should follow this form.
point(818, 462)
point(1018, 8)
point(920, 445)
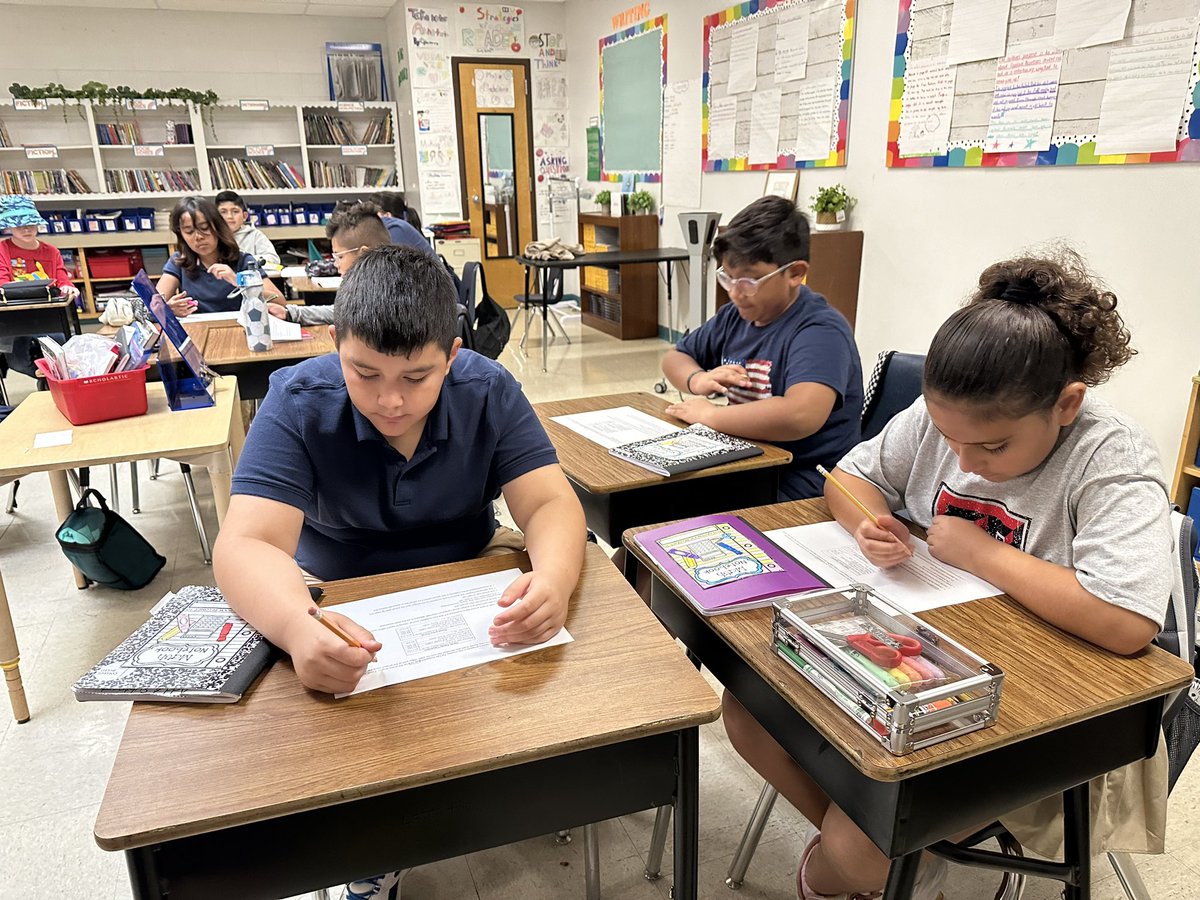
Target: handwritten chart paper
point(928, 103)
point(1023, 103)
point(1086, 23)
point(681, 143)
point(814, 107)
point(764, 126)
point(722, 122)
point(743, 59)
point(494, 89)
point(1145, 92)
point(978, 30)
point(791, 45)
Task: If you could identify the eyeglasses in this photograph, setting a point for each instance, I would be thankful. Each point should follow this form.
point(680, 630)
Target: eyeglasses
point(203, 230)
point(338, 254)
point(746, 287)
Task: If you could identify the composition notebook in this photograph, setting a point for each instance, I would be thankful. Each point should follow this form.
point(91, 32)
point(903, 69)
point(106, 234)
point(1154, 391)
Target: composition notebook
point(194, 648)
point(695, 447)
point(721, 563)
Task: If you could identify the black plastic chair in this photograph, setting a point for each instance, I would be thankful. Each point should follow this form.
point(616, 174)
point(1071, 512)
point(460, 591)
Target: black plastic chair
point(894, 386)
point(553, 286)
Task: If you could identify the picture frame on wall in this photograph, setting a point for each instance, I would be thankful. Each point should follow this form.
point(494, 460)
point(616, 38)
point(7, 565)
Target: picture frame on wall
point(782, 184)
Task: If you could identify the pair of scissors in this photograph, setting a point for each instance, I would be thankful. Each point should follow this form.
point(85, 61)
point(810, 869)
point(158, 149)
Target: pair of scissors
point(886, 651)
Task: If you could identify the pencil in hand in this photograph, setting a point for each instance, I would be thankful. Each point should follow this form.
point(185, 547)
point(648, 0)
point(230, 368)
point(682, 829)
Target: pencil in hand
point(861, 506)
point(316, 613)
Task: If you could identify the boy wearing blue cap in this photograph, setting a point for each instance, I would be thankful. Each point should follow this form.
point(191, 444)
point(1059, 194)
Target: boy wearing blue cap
point(22, 255)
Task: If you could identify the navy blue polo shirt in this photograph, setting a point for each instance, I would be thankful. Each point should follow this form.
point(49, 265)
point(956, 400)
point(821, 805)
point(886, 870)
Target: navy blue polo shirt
point(210, 293)
point(406, 235)
point(810, 342)
point(366, 508)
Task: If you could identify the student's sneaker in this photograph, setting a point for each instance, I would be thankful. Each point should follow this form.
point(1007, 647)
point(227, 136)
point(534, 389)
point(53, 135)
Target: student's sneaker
point(930, 876)
point(377, 888)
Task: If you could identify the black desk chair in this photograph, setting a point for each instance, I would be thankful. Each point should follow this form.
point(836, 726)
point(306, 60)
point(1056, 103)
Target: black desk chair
point(553, 287)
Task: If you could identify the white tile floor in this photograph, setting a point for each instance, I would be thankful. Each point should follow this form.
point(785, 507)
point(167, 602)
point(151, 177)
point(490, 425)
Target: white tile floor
point(55, 766)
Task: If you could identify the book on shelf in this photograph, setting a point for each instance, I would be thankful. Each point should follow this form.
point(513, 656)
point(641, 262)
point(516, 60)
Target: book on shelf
point(238, 173)
point(43, 181)
point(686, 450)
point(110, 133)
point(5, 140)
point(721, 563)
point(150, 181)
point(379, 131)
point(321, 128)
point(193, 648)
point(340, 175)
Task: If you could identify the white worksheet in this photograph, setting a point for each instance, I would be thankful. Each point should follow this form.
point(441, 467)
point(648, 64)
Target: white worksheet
point(921, 583)
point(435, 629)
point(978, 30)
point(613, 427)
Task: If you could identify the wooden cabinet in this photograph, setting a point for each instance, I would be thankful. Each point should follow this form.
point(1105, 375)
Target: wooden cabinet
point(835, 262)
point(619, 300)
point(1187, 472)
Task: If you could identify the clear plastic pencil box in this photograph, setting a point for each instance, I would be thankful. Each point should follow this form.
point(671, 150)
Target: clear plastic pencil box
point(902, 680)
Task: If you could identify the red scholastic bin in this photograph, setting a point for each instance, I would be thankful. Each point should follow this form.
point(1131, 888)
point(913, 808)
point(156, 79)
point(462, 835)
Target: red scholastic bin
point(114, 263)
point(98, 398)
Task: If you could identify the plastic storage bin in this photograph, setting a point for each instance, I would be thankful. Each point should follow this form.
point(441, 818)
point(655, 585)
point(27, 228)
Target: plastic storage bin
point(98, 398)
point(114, 263)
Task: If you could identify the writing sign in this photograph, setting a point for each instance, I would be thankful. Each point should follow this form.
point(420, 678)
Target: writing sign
point(148, 150)
point(351, 106)
point(253, 150)
point(354, 150)
point(45, 151)
point(28, 104)
point(255, 105)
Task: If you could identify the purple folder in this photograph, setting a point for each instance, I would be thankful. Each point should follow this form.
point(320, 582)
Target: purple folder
point(721, 563)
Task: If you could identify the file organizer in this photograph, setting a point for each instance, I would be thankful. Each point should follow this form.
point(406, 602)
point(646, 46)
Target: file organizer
point(185, 377)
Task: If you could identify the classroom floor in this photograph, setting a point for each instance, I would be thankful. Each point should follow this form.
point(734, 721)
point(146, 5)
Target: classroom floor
point(55, 766)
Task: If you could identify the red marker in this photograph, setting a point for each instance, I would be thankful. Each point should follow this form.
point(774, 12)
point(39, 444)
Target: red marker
point(225, 629)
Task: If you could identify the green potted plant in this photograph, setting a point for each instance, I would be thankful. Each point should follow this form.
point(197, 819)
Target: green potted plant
point(641, 203)
point(831, 204)
point(604, 201)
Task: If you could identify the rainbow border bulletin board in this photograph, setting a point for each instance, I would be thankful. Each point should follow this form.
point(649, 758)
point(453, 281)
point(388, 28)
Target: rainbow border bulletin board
point(825, 84)
point(630, 119)
point(1079, 82)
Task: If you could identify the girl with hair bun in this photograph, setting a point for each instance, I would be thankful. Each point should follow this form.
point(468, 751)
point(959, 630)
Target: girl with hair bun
point(1022, 477)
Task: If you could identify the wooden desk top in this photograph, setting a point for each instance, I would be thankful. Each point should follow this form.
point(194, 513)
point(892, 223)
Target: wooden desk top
point(306, 285)
point(60, 303)
point(283, 749)
point(158, 433)
point(599, 472)
point(224, 346)
point(1051, 678)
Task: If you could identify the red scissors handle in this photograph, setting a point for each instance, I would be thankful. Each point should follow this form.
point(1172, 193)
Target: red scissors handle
point(887, 653)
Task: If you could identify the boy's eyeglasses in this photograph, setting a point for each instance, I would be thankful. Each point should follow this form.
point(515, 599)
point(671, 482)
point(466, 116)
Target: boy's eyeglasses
point(338, 254)
point(747, 287)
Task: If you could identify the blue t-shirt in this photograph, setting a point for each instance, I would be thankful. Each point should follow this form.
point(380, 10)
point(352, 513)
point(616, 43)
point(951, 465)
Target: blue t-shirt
point(210, 293)
point(406, 235)
point(810, 343)
point(366, 508)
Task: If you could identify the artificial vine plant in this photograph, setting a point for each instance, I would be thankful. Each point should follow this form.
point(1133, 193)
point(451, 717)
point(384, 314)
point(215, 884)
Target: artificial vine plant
point(101, 93)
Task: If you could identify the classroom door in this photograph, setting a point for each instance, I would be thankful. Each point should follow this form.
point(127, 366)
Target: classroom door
point(494, 148)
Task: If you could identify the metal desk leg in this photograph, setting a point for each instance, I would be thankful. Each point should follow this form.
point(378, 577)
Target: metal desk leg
point(902, 876)
point(591, 861)
point(543, 281)
point(1077, 843)
point(10, 660)
point(687, 816)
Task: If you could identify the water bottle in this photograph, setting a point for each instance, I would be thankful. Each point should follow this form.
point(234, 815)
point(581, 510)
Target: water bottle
point(254, 310)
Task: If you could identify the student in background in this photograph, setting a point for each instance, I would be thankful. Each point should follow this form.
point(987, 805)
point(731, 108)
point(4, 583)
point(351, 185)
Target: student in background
point(785, 360)
point(352, 230)
point(1022, 478)
point(249, 239)
point(22, 254)
point(202, 275)
point(387, 456)
point(401, 231)
point(393, 204)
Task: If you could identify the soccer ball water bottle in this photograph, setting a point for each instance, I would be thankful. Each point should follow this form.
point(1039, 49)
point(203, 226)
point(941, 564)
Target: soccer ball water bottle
point(254, 310)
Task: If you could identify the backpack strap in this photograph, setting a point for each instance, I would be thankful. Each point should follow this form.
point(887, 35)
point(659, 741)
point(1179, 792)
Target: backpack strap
point(83, 501)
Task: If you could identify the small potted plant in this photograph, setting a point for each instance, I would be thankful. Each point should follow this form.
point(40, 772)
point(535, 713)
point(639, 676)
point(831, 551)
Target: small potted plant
point(604, 201)
point(831, 204)
point(641, 203)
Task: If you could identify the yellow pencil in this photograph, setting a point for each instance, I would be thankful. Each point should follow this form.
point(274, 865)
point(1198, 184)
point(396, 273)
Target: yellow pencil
point(866, 512)
point(328, 623)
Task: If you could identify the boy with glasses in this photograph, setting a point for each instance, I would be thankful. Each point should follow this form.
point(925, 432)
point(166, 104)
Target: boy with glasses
point(784, 360)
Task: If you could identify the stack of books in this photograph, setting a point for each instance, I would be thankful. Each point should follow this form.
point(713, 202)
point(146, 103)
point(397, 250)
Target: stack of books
point(379, 131)
point(44, 181)
point(237, 173)
point(340, 175)
point(149, 181)
point(449, 230)
point(325, 129)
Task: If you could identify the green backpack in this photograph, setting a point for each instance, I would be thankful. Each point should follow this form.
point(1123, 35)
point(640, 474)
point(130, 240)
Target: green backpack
point(106, 548)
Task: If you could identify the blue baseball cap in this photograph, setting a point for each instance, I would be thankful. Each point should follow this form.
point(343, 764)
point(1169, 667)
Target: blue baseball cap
point(17, 210)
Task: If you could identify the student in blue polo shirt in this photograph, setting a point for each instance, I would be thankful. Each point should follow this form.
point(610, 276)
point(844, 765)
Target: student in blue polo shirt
point(388, 456)
point(783, 359)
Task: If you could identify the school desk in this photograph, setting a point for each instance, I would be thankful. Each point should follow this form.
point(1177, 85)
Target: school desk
point(303, 286)
point(1068, 712)
point(617, 494)
point(290, 790)
point(209, 437)
point(53, 316)
point(223, 344)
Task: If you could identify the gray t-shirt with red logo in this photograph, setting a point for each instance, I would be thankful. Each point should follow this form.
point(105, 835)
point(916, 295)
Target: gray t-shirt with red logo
point(1097, 504)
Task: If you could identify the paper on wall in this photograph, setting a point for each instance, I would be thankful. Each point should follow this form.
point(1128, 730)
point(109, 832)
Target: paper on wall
point(494, 89)
point(428, 27)
point(430, 68)
point(978, 30)
point(764, 126)
point(549, 90)
point(550, 128)
point(722, 122)
point(928, 104)
point(433, 110)
point(681, 143)
point(1086, 23)
point(440, 192)
point(1023, 103)
point(814, 105)
point(743, 58)
point(791, 43)
point(1146, 88)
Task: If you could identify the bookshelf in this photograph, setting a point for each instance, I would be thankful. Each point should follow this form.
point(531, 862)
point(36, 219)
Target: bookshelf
point(1187, 470)
point(619, 300)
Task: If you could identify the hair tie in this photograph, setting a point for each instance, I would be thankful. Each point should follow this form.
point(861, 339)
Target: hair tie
point(1015, 292)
